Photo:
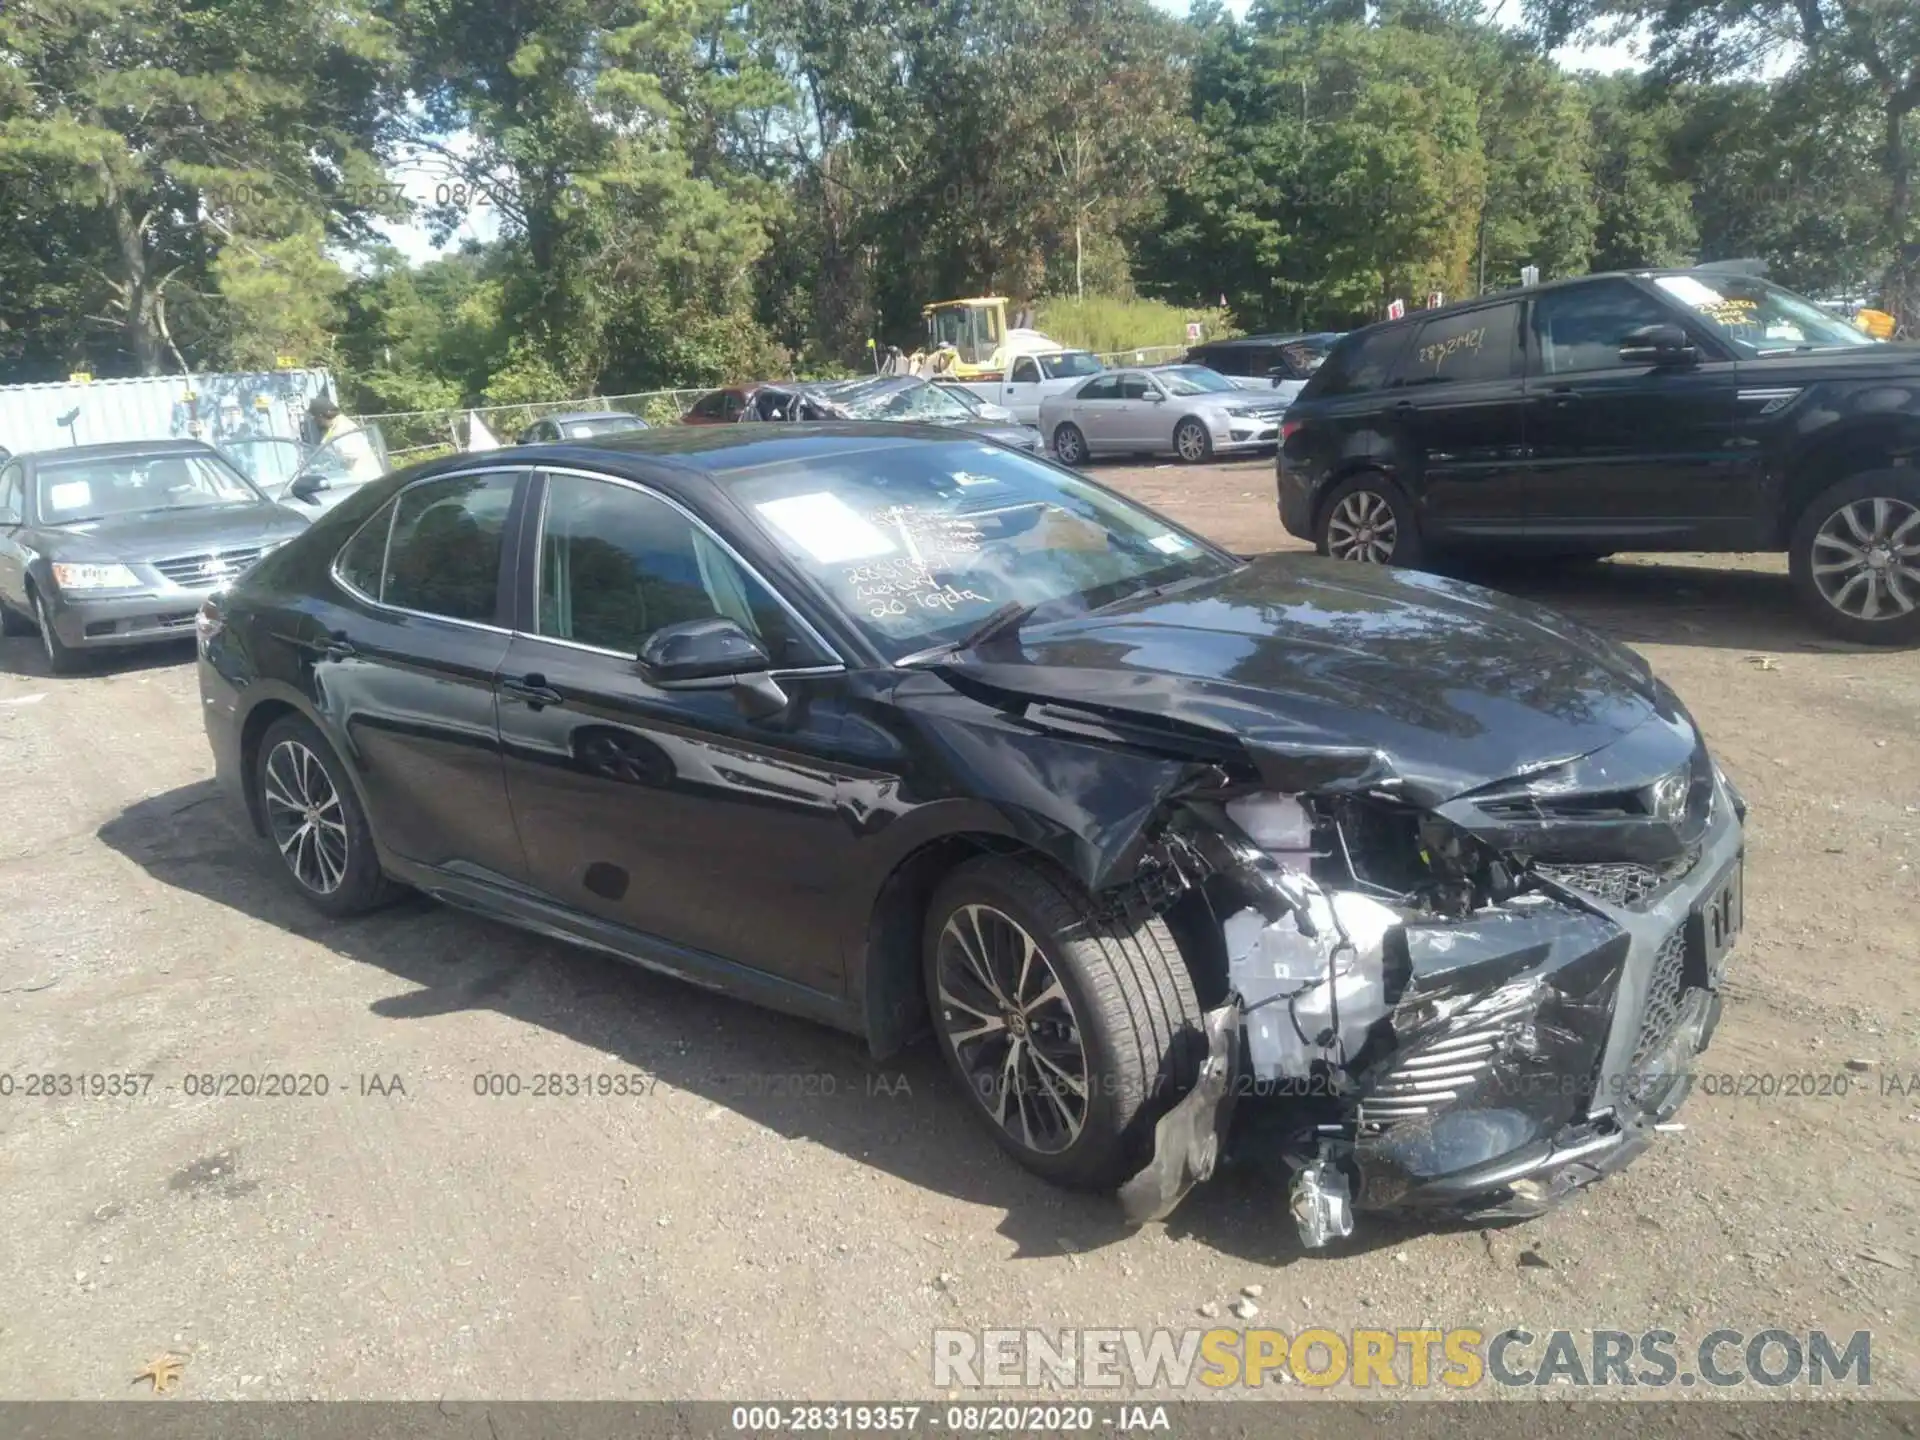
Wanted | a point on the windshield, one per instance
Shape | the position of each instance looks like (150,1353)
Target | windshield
(73,491)
(909,402)
(600,425)
(1193,380)
(1758,316)
(919,542)
(1070,365)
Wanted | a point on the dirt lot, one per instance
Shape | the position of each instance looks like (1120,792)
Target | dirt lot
(775,1218)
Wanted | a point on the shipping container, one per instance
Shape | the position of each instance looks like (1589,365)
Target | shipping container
(213,408)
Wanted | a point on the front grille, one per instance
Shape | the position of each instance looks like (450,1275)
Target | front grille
(1434,1075)
(1666,991)
(207,569)
(1627,883)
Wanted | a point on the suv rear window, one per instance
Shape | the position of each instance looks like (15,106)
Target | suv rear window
(1476,345)
(1360,362)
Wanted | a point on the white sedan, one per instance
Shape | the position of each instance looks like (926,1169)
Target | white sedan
(1184,410)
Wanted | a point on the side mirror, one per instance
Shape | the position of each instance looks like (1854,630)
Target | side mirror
(714,654)
(1157,397)
(306,485)
(1658,345)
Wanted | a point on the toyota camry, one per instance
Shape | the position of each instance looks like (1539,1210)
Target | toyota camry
(1423,891)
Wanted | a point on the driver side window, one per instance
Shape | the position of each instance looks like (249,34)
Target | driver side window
(1107,387)
(1025,372)
(617,564)
(1582,328)
(1135,387)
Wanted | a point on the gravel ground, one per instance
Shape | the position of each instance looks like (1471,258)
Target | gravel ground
(773,1215)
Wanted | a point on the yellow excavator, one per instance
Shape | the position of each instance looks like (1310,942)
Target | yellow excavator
(977,339)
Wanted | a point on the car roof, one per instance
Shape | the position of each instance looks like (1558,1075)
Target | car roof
(694,452)
(118,450)
(1719,269)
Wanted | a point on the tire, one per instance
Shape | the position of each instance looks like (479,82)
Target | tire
(1855,558)
(1122,996)
(1069,445)
(340,857)
(1354,519)
(1192,443)
(61,658)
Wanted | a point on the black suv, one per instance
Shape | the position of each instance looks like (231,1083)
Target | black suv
(1280,359)
(1700,409)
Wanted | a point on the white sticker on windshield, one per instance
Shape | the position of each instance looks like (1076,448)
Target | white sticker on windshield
(70,495)
(1170,544)
(826,527)
(962,477)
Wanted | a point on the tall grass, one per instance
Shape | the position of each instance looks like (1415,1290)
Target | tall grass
(1107,322)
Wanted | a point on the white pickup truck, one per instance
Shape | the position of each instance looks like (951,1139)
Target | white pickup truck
(1033,377)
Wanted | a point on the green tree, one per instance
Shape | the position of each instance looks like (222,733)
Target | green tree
(219,146)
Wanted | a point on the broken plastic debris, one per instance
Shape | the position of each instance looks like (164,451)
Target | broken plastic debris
(1322,1205)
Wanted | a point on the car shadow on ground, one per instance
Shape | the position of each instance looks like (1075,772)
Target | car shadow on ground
(23,657)
(1663,602)
(799,1080)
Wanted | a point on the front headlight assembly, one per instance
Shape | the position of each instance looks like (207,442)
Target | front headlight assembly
(95,577)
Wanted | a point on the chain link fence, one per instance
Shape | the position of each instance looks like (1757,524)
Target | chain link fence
(416,435)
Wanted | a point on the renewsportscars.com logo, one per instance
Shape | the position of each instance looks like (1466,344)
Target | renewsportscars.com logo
(1373,1360)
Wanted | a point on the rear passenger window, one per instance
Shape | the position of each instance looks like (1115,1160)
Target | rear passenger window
(365,555)
(1359,363)
(444,557)
(1479,345)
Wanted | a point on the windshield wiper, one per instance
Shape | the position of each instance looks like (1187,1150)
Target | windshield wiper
(1006,619)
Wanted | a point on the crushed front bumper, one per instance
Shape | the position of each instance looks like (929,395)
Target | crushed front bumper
(1530,1050)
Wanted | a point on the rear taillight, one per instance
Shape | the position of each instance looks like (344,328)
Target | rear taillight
(208,624)
(1287,429)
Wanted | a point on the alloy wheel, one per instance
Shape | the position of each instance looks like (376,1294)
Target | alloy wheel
(1866,559)
(1363,527)
(1191,441)
(306,817)
(1012,1028)
(1066,445)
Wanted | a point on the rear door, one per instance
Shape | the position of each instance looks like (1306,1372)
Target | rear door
(1457,406)
(1096,410)
(1623,449)
(13,514)
(669,811)
(405,658)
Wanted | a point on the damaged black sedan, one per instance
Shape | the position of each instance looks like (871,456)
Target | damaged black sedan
(1421,890)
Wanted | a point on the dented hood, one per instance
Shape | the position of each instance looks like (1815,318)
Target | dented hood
(1337,670)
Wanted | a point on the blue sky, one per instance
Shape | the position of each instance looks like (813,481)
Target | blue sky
(422,175)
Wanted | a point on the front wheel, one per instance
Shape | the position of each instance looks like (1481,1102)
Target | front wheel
(62,659)
(1071,1029)
(1369,519)
(1855,558)
(1191,442)
(1069,445)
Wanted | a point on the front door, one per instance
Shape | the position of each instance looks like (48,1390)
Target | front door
(1458,408)
(1143,421)
(669,811)
(1096,410)
(1624,450)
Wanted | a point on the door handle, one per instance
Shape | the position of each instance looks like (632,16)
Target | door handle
(532,690)
(334,645)
(1403,410)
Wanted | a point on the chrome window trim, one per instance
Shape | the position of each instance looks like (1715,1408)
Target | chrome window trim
(392,509)
(838,661)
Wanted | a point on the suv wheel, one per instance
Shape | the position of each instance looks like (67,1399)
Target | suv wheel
(1368,518)
(1072,1030)
(1855,557)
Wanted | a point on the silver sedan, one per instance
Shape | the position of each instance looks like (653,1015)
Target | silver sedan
(1184,410)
